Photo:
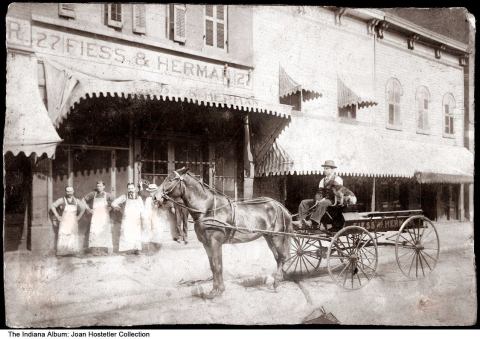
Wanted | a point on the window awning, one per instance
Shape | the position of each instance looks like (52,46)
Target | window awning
(360,151)
(28,128)
(348,96)
(67,86)
(288,86)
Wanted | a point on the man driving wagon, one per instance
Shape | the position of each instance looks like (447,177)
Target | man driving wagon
(330,190)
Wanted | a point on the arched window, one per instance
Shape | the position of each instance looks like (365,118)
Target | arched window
(394,92)
(448,108)
(422,98)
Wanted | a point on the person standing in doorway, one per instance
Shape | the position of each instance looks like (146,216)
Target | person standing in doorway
(100,235)
(72,212)
(131,227)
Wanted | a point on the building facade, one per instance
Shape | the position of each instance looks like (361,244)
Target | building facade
(125,93)
(391,112)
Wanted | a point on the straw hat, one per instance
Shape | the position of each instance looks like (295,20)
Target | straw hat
(329,163)
(152,188)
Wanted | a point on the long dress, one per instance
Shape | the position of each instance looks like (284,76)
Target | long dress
(101,225)
(68,230)
(153,227)
(131,227)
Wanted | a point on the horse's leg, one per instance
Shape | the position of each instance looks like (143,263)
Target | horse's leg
(276,244)
(214,249)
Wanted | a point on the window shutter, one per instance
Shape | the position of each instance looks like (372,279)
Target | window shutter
(179,21)
(139,21)
(220,35)
(114,18)
(209,32)
(66,10)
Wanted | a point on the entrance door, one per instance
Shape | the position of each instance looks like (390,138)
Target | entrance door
(17,194)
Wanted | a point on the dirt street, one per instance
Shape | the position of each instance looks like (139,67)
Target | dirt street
(165,288)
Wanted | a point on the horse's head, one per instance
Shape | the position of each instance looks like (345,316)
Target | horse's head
(173,186)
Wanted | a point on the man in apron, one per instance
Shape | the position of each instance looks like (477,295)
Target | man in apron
(72,211)
(153,225)
(100,235)
(131,227)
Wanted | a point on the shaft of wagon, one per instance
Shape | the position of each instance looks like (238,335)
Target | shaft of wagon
(297,235)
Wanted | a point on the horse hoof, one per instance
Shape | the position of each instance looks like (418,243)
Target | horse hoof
(214,293)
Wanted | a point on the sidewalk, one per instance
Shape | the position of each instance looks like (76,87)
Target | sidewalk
(50,291)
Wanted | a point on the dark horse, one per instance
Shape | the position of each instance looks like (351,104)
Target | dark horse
(209,209)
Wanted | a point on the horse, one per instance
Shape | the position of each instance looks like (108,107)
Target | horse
(212,211)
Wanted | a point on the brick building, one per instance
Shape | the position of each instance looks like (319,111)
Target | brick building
(124,92)
(391,112)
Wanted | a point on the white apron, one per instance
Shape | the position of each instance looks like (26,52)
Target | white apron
(100,226)
(153,228)
(131,228)
(68,231)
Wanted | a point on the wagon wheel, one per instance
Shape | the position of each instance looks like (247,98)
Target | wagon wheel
(352,257)
(305,256)
(417,247)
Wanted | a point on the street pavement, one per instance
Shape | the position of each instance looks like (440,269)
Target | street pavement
(167,287)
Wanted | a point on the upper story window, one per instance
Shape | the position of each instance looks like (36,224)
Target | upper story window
(114,15)
(448,108)
(66,10)
(422,98)
(216,26)
(139,21)
(394,93)
(177,21)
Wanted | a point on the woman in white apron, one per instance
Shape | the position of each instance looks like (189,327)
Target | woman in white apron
(100,235)
(68,240)
(131,227)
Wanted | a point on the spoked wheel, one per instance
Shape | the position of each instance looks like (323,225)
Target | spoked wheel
(352,257)
(417,247)
(305,256)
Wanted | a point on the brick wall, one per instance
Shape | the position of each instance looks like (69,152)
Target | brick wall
(313,49)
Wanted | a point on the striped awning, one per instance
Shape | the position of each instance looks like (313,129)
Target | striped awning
(361,151)
(288,86)
(347,96)
(28,128)
(67,87)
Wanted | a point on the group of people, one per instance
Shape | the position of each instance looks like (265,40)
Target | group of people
(143,227)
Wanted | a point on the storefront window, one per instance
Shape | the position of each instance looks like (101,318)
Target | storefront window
(154,160)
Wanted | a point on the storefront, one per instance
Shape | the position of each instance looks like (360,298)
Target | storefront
(384,173)
(123,113)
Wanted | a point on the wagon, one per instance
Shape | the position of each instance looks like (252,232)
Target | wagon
(350,246)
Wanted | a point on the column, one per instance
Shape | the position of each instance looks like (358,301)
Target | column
(461,203)
(470,202)
(439,202)
(373,196)
(248,163)
(42,233)
(70,166)
(113,173)
(451,205)
(131,146)
(137,165)
(211,162)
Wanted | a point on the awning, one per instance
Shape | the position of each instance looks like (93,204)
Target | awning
(67,86)
(361,151)
(288,86)
(28,128)
(347,96)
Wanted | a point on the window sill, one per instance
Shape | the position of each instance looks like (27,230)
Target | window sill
(449,136)
(423,131)
(394,127)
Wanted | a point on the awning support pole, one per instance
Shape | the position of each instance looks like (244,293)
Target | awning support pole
(248,164)
(373,196)
(70,166)
(470,202)
(113,173)
(461,203)
(130,149)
